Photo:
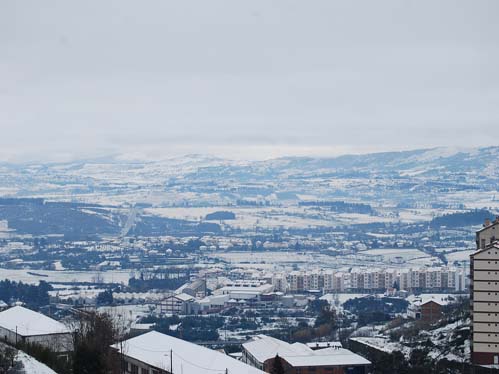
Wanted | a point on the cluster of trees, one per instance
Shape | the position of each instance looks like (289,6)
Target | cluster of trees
(243,323)
(39,217)
(341,206)
(324,326)
(33,296)
(190,328)
(157,226)
(373,309)
(461,219)
(140,285)
(105,298)
(220,216)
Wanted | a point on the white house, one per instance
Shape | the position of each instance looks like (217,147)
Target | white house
(19,324)
(245,290)
(179,304)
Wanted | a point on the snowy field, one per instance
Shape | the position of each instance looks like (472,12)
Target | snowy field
(290,216)
(32,366)
(119,276)
(125,315)
(408,256)
(248,218)
(270,260)
(459,256)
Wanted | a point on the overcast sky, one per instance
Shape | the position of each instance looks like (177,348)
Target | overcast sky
(245,78)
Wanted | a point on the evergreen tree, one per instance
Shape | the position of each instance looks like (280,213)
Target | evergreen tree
(93,337)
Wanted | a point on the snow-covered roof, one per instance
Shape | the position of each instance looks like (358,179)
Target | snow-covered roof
(442,299)
(492,224)
(154,348)
(324,344)
(181,296)
(29,323)
(252,288)
(488,247)
(264,347)
(327,357)
(215,300)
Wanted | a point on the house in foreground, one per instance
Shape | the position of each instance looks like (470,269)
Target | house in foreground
(19,324)
(156,353)
(298,358)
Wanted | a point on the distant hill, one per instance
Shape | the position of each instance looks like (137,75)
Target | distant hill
(406,179)
(73,220)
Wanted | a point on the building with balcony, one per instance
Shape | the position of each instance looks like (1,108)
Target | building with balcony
(484,288)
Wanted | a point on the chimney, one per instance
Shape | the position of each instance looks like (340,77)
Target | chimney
(487,222)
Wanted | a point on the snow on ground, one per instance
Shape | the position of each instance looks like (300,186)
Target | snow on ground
(339,299)
(18,275)
(383,344)
(268,260)
(248,218)
(441,298)
(416,215)
(58,266)
(128,314)
(377,235)
(443,339)
(288,216)
(412,256)
(32,366)
(459,256)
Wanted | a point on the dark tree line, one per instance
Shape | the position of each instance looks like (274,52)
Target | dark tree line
(33,296)
(91,353)
(190,328)
(461,219)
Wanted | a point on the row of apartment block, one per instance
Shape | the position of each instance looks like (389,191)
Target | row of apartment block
(436,278)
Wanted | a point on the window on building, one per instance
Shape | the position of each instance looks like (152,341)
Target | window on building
(144,371)
(134,369)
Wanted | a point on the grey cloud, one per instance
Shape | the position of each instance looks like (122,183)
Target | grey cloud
(81,78)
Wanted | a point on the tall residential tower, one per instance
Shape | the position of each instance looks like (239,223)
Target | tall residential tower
(484,296)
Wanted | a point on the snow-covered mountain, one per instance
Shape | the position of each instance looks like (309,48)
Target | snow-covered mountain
(425,170)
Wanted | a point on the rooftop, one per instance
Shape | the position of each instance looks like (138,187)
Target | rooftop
(182,297)
(154,350)
(264,347)
(28,322)
(488,247)
(442,299)
(321,345)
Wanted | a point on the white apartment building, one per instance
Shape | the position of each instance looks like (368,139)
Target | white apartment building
(484,297)
(488,234)
(362,279)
